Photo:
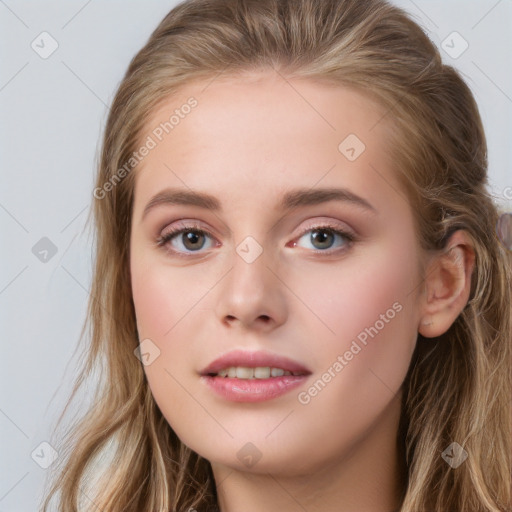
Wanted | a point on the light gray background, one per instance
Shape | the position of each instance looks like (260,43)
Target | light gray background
(53,111)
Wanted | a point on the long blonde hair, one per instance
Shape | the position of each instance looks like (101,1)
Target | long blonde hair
(458,388)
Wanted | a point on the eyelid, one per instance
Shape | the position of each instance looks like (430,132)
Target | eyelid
(328,224)
(184,225)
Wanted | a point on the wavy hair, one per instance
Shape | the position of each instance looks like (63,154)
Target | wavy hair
(121,455)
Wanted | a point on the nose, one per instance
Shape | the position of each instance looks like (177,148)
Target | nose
(252,295)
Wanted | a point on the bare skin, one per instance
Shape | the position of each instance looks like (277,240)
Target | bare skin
(247,143)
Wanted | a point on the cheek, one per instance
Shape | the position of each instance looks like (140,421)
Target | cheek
(152,300)
(371,287)
(368,305)
(162,296)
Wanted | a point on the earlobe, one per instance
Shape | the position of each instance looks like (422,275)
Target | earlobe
(447,285)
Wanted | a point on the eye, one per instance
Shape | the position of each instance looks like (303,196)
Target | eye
(324,237)
(185,239)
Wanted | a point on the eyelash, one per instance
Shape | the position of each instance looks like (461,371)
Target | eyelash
(163,240)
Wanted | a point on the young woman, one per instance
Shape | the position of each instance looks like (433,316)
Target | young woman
(300,300)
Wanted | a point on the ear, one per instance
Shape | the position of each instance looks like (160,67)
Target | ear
(447,285)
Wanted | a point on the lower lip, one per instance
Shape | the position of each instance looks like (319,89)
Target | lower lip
(253,390)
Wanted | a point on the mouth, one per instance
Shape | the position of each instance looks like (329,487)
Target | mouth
(258,372)
(241,364)
(241,376)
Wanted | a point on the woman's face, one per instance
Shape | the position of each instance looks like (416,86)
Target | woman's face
(308,253)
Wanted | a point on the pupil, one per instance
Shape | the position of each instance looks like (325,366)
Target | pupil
(321,239)
(193,237)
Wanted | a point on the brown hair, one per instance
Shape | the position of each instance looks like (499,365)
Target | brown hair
(458,388)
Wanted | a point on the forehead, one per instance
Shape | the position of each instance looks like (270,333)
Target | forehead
(248,138)
(260,106)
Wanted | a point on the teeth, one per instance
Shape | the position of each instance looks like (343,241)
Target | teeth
(260,372)
(244,373)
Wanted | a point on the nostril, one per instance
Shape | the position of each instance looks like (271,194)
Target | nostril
(264,318)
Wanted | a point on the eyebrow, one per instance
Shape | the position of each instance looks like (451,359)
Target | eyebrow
(292,199)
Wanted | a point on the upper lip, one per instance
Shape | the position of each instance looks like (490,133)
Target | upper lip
(253,360)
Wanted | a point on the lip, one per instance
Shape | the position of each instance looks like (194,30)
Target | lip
(253,390)
(252,360)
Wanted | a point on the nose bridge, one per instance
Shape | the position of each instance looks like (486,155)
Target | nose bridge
(250,290)
(248,279)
